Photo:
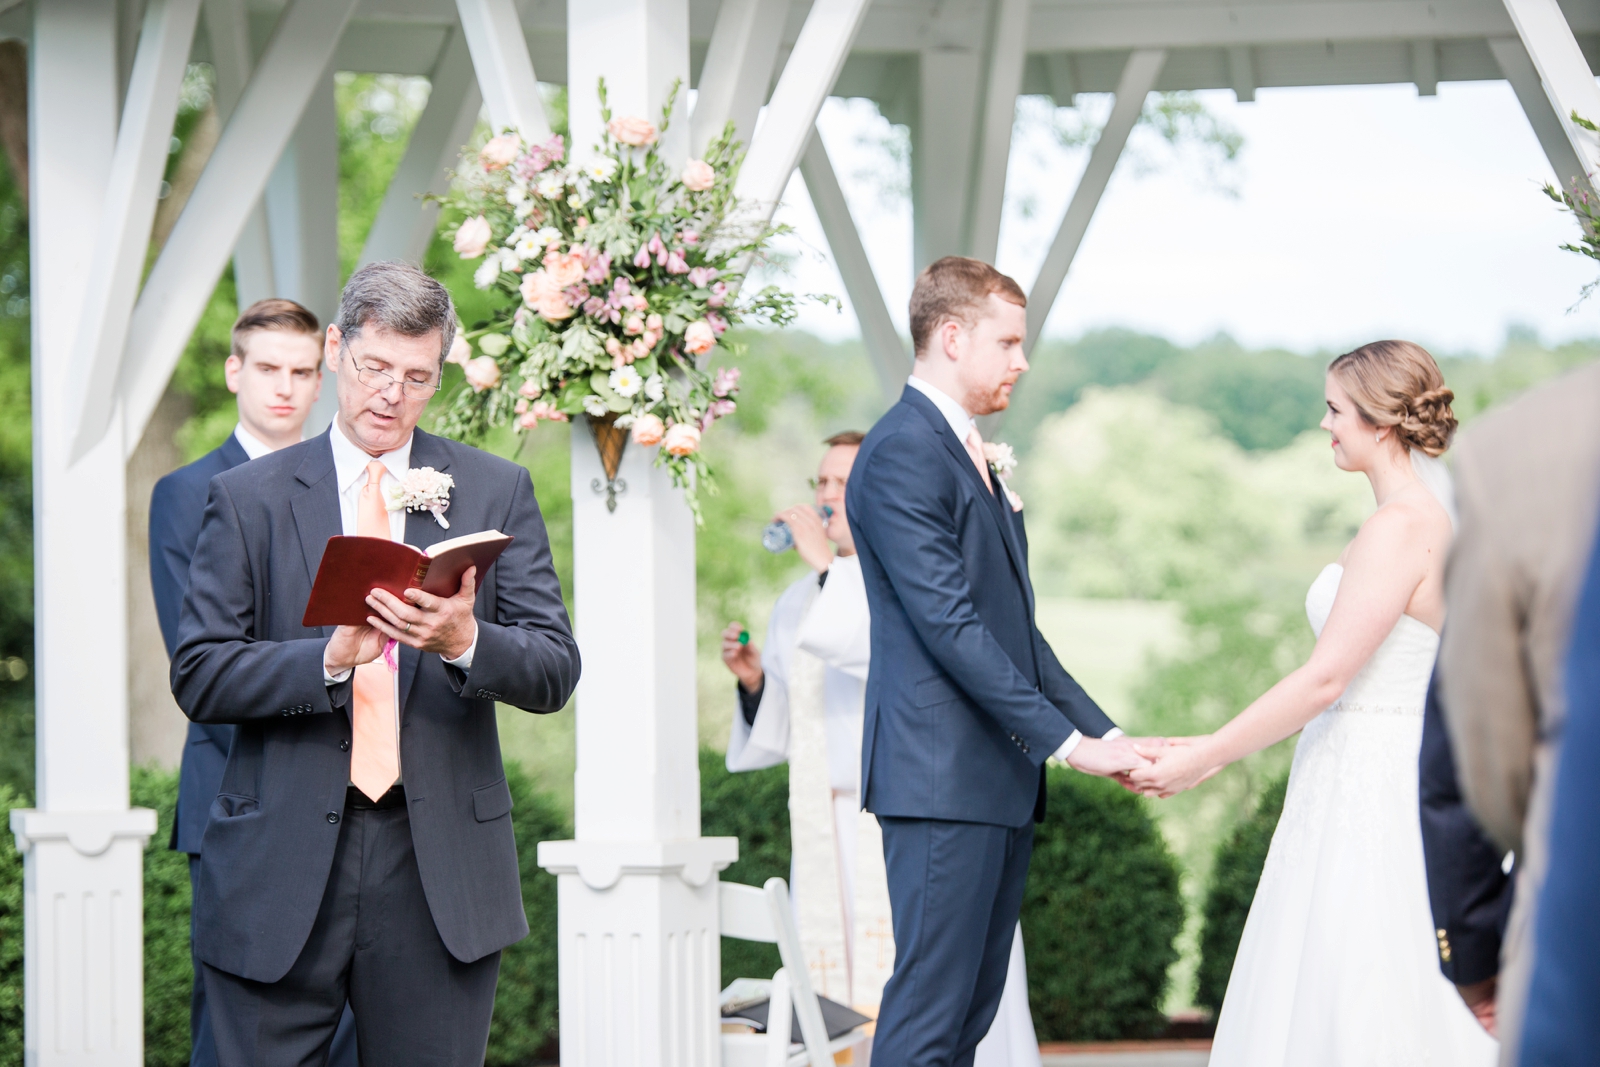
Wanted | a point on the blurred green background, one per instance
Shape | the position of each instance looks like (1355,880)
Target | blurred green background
(1179,500)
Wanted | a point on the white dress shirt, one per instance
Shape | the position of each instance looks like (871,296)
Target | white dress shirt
(961,422)
(253,446)
(350,474)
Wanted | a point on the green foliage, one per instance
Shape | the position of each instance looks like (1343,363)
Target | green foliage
(1234,876)
(377,113)
(11,990)
(754,807)
(1101,914)
(16,496)
(168,969)
(525,1000)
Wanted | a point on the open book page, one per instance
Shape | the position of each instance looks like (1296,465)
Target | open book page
(446,545)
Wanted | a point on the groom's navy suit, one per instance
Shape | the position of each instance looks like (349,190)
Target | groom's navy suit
(965,700)
(280,825)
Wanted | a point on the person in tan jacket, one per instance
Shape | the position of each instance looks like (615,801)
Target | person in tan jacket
(1527,481)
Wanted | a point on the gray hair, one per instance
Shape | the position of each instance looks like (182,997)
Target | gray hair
(400,298)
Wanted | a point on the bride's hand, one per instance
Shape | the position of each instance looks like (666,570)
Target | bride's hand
(1179,765)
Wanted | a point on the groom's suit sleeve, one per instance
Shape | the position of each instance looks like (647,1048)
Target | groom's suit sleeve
(1063,690)
(525,655)
(221,671)
(910,525)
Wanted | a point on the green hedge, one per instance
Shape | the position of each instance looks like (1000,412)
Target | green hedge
(1234,875)
(1101,914)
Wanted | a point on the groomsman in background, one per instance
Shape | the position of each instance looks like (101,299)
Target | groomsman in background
(1527,479)
(275,371)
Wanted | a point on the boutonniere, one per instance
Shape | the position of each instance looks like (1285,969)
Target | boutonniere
(1003,458)
(423,489)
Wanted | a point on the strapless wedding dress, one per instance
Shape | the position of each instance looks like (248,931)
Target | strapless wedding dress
(1337,966)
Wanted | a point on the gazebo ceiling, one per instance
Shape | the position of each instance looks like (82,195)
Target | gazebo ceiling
(1073,45)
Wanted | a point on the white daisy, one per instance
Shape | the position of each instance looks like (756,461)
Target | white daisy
(626,381)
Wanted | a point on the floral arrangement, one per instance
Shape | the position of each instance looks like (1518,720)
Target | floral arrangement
(616,282)
(1583,204)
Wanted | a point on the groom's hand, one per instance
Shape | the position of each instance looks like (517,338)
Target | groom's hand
(1096,755)
(428,623)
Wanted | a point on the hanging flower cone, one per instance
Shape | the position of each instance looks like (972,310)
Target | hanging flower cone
(609,441)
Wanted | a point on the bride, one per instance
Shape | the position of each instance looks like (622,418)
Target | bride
(1337,963)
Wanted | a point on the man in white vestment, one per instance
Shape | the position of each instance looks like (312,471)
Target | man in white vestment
(801,700)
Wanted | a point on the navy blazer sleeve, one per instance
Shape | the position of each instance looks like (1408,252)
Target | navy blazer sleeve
(221,672)
(1063,690)
(526,654)
(171,546)
(913,501)
(1469,892)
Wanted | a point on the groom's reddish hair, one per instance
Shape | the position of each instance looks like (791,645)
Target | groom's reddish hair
(956,287)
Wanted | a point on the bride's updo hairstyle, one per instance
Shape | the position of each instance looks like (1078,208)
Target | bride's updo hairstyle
(1398,384)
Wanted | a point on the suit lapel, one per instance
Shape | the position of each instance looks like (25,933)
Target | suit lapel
(232,453)
(423,531)
(963,460)
(316,507)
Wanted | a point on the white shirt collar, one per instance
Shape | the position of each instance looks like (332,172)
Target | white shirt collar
(253,446)
(350,461)
(958,417)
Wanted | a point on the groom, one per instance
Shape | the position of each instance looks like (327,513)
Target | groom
(361,847)
(965,700)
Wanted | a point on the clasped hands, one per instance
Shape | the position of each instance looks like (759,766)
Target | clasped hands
(1154,766)
(421,620)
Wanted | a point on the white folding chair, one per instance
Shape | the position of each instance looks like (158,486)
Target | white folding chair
(752,914)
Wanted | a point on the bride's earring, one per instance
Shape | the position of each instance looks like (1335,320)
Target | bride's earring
(1377,438)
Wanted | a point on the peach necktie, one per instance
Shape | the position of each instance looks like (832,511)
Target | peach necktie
(375,742)
(975,450)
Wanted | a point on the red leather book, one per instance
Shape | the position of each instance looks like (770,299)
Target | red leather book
(352,567)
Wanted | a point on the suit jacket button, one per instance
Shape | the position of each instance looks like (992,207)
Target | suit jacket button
(344,745)
(333,817)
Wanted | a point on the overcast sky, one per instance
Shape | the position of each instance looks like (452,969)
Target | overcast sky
(1359,213)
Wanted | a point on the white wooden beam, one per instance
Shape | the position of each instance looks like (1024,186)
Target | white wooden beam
(1568,82)
(181,281)
(1546,123)
(405,223)
(737,71)
(129,207)
(505,72)
(887,351)
(1242,73)
(228,32)
(1138,79)
(943,144)
(1006,60)
(83,849)
(813,66)
(1425,66)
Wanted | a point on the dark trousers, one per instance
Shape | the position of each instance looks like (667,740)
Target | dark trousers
(955,889)
(203,1047)
(374,944)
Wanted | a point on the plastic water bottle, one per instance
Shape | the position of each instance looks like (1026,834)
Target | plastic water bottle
(777,537)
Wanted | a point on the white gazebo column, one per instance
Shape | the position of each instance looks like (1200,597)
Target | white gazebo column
(637,896)
(82,846)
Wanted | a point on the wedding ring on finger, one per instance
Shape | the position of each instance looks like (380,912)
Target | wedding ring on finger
(408,627)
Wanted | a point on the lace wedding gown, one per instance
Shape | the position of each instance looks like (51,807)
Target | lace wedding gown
(1337,966)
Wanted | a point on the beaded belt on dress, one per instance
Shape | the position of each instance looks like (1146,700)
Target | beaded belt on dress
(1363,708)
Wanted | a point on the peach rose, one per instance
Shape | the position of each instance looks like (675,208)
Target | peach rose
(473,237)
(699,338)
(564,270)
(529,389)
(682,439)
(482,373)
(648,430)
(698,176)
(460,351)
(632,131)
(545,297)
(500,151)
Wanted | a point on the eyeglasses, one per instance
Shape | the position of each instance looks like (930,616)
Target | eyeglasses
(827,483)
(380,381)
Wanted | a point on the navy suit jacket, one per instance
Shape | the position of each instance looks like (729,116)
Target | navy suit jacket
(1470,893)
(176,507)
(1562,1026)
(965,699)
(244,658)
